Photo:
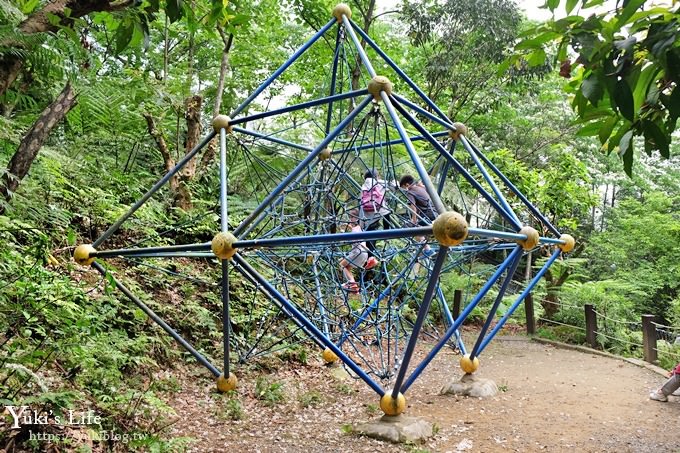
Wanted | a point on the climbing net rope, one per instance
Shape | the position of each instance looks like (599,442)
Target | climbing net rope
(340,249)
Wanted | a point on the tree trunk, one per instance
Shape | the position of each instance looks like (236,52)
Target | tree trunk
(169,162)
(49,19)
(28,149)
(192,114)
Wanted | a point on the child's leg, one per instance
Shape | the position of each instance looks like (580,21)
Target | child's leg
(671,385)
(346,272)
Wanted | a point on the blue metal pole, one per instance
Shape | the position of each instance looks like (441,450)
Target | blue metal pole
(157,319)
(161,182)
(337,238)
(422,172)
(457,166)
(223,179)
(363,316)
(459,321)
(148,250)
(424,112)
(401,73)
(301,166)
(319,298)
(422,314)
(396,141)
(301,106)
(445,307)
(496,303)
(490,181)
(516,191)
(447,165)
(225,315)
(334,75)
(272,139)
(283,67)
(311,328)
(519,300)
(357,44)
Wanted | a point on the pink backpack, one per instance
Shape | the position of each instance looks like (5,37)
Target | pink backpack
(371,200)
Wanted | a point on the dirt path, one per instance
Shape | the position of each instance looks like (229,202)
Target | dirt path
(553,400)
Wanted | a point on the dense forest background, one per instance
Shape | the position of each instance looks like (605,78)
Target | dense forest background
(99,98)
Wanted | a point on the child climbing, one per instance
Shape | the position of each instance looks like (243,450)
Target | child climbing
(374,209)
(422,211)
(669,387)
(356,258)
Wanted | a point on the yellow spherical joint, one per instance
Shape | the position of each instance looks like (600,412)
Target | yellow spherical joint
(228,384)
(222,122)
(223,245)
(392,406)
(460,129)
(532,238)
(450,228)
(378,84)
(81,255)
(340,9)
(469,366)
(329,356)
(569,243)
(325,154)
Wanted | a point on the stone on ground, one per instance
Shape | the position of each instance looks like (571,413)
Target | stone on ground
(397,429)
(470,385)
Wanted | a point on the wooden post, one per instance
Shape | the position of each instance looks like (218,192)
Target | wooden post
(591,325)
(649,338)
(457,297)
(529,311)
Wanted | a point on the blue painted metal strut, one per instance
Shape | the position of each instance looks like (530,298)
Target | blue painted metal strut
(399,72)
(272,139)
(225,315)
(457,165)
(336,238)
(519,299)
(491,182)
(424,112)
(422,314)
(311,328)
(223,180)
(496,303)
(334,75)
(516,191)
(301,166)
(158,320)
(357,44)
(396,141)
(283,67)
(420,168)
(459,321)
(301,106)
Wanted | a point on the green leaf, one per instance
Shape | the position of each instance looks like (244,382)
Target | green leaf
(607,128)
(592,89)
(173,8)
(536,58)
(71,237)
(124,35)
(627,12)
(624,100)
(673,104)
(626,152)
(570,5)
(551,4)
(590,129)
(673,63)
(647,76)
(656,137)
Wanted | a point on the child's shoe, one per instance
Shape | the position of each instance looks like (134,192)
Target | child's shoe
(352,287)
(371,262)
(657,395)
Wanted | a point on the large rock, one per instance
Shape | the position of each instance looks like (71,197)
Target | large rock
(471,385)
(397,429)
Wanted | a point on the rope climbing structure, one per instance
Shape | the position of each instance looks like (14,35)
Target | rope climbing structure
(317,259)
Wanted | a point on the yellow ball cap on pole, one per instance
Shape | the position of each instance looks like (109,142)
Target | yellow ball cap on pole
(223,245)
(450,228)
(467,365)
(228,384)
(569,243)
(392,406)
(532,238)
(340,9)
(81,254)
